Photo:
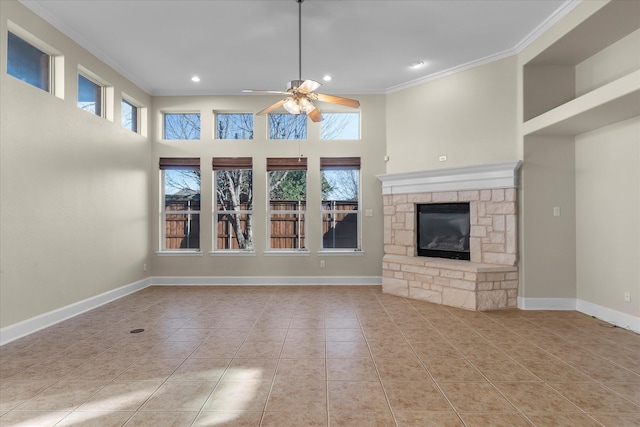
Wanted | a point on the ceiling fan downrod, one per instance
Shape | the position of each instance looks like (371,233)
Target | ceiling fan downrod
(300,39)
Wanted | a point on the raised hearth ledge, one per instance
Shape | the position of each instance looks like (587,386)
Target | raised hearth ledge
(461,284)
(478,177)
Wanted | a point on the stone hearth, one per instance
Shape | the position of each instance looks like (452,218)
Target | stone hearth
(489,280)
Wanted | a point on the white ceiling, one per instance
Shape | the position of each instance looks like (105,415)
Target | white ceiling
(365,45)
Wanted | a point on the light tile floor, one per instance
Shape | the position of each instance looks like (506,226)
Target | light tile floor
(317,356)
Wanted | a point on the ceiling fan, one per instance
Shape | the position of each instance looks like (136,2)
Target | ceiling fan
(301,92)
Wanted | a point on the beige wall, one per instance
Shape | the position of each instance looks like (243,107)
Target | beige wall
(79,197)
(592,177)
(547,242)
(370,148)
(470,117)
(608,191)
(608,216)
(74,219)
(611,63)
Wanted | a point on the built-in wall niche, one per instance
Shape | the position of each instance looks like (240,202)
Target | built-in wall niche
(443,230)
(551,103)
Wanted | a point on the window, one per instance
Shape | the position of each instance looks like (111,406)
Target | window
(287,126)
(180,178)
(233,213)
(340,202)
(90,95)
(234,126)
(287,180)
(28,63)
(129,116)
(182,126)
(340,126)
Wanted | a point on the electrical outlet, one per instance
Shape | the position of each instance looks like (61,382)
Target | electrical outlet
(556,211)
(322,263)
(144,267)
(442,158)
(627,297)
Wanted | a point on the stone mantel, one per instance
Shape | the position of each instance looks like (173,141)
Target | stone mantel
(490,280)
(478,177)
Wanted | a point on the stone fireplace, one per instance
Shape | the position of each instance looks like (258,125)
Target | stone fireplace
(489,280)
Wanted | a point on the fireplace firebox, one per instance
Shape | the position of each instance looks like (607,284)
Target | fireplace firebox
(443,230)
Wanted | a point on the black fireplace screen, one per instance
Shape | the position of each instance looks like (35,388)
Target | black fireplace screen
(443,230)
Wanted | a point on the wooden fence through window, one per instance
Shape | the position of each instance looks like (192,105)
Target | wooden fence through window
(287,229)
(182,230)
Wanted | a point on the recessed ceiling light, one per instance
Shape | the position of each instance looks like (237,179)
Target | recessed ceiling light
(417,64)
(327,78)
(195,79)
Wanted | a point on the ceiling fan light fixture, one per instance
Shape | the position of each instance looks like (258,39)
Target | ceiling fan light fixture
(292,106)
(306,106)
(298,105)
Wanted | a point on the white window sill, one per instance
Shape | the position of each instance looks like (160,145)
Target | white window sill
(340,252)
(232,253)
(303,252)
(179,253)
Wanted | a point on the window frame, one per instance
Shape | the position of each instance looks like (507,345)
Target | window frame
(177,163)
(56,59)
(49,64)
(135,117)
(106,93)
(226,164)
(99,108)
(341,163)
(288,164)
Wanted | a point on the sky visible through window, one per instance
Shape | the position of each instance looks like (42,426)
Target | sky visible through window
(340,126)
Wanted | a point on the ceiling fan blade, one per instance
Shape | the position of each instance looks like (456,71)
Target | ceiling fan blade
(309,86)
(279,92)
(337,100)
(272,107)
(315,115)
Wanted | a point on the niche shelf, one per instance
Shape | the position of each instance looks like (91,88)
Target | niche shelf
(611,103)
(551,106)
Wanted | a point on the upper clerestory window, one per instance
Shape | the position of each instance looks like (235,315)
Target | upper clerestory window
(33,61)
(234,126)
(90,95)
(130,116)
(287,126)
(28,63)
(340,126)
(95,94)
(182,126)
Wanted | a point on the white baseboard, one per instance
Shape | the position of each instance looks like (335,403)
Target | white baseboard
(266,280)
(617,318)
(546,303)
(34,324)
